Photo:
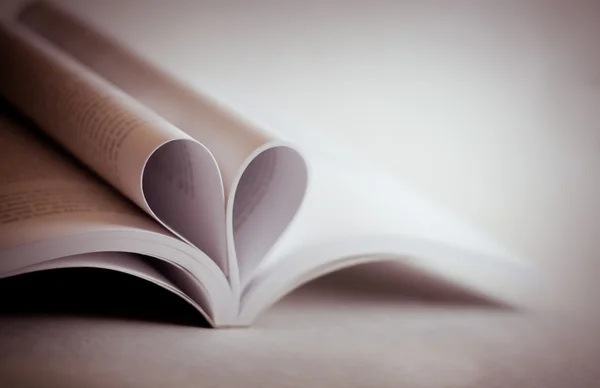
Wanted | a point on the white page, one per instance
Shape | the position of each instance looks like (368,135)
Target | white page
(160,168)
(347,200)
(492,278)
(354,214)
(267,197)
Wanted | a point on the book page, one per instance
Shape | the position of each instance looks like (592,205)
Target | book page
(52,207)
(267,197)
(44,193)
(264,179)
(354,213)
(161,169)
(348,198)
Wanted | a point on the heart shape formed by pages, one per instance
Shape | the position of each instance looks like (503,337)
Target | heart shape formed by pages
(183,188)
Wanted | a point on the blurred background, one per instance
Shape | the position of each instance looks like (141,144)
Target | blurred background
(488,108)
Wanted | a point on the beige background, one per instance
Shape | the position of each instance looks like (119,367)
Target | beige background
(490,108)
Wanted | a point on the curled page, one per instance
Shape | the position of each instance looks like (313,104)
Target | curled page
(264,180)
(266,198)
(182,188)
(171,176)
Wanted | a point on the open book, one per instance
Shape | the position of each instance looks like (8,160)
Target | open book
(108,162)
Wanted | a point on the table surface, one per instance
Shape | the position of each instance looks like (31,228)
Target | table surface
(490,110)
